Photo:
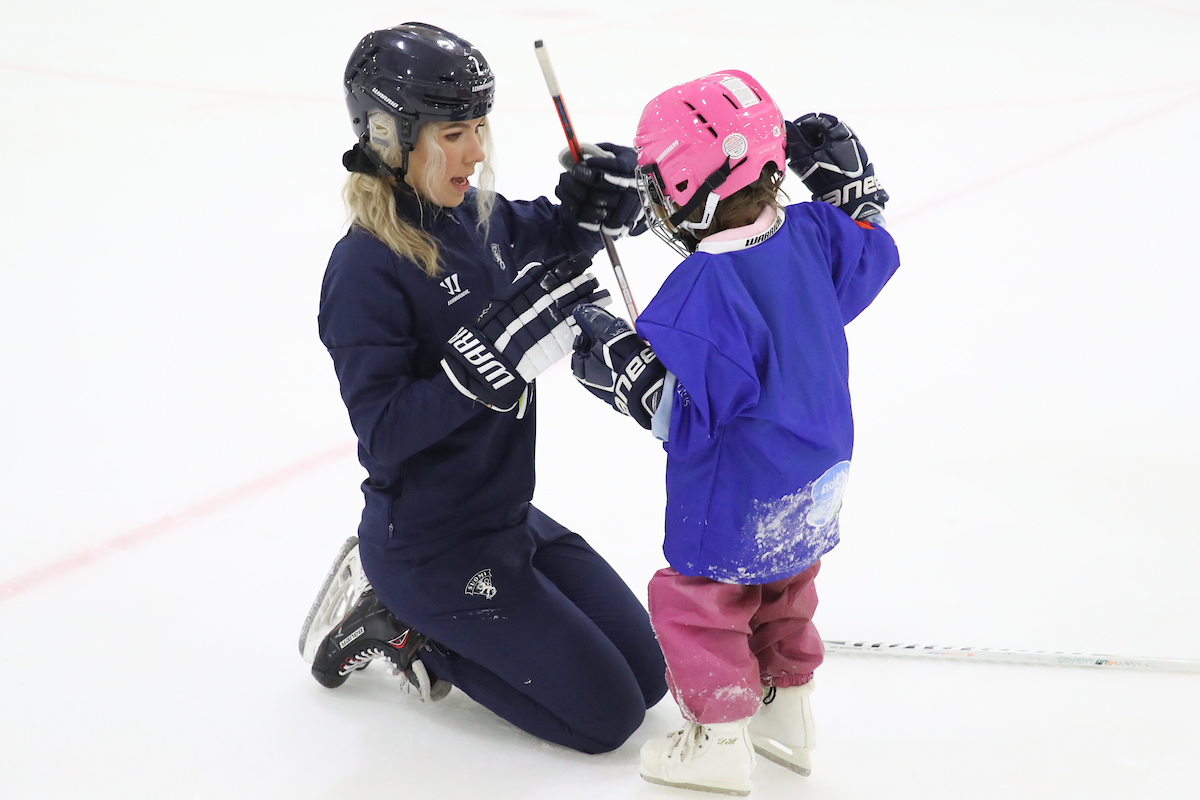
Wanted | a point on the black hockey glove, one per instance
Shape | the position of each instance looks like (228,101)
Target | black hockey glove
(833,164)
(613,363)
(526,328)
(601,192)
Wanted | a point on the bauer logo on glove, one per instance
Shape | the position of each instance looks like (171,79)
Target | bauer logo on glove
(623,390)
(834,165)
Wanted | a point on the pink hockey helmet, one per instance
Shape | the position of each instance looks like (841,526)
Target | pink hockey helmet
(701,141)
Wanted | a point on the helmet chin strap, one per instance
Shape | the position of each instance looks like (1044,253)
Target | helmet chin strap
(705,194)
(710,208)
(364,159)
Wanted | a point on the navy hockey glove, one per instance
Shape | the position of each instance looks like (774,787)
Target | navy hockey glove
(524,330)
(601,191)
(833,164)
(613,363)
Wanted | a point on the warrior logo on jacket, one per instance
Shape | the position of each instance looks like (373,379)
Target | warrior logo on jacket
(452,286)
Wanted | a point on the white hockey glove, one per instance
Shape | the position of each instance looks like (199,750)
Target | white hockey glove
(524,330)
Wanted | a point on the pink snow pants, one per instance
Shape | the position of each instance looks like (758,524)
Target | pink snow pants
(724,642)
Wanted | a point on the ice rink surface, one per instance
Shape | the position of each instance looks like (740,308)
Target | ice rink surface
(178,468)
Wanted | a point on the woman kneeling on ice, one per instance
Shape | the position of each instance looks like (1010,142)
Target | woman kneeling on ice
(439,307)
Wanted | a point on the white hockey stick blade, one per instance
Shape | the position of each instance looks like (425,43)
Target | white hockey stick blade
(341,590)
(996,655)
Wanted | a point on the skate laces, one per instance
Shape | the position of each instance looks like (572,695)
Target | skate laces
(769,696)
(687,741)
(360,660)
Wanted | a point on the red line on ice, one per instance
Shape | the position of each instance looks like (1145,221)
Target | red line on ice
(143,533)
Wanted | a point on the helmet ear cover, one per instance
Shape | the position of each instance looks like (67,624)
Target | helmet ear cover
(365,159)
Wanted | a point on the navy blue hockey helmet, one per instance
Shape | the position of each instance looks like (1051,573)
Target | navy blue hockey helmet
(416,73)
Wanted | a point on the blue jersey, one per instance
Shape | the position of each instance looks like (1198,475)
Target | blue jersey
(761,431)
(438,463)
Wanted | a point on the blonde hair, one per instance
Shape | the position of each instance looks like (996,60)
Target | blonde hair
(371,201)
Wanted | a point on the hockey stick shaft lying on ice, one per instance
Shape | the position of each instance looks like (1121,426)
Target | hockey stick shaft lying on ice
(573,142)
(1014,656)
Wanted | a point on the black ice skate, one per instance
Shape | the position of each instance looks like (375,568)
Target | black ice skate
(370,631)
(340,592)
(348,626)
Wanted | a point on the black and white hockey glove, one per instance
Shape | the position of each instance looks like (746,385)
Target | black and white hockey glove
(601,191)
(613,363)
(833,164)
(524,330)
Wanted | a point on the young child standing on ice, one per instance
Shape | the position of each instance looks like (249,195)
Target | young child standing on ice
(741,368)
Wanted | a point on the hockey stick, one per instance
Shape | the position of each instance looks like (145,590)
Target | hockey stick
(1015,656)
(577,153)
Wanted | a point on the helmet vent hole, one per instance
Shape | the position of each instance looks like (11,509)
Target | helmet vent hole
(701,118)
(681,186)
(731,101)
(713,131)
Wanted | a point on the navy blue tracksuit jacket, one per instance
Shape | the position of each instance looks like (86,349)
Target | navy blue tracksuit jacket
(531,622)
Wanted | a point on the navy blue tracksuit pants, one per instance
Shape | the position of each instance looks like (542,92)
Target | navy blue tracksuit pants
(535,626)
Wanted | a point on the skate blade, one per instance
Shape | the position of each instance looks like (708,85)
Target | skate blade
(700,787)
(342,588)
(797,761)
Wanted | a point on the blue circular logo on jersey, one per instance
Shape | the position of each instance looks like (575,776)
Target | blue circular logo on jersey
(827,492)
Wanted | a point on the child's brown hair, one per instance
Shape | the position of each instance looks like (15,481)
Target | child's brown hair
(742,207)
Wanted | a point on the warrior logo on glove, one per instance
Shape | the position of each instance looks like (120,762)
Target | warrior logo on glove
(485,361)
(522,332)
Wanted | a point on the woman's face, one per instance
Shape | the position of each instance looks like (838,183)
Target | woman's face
(461,142)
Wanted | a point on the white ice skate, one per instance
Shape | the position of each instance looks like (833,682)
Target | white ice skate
(708,758)
(783,731)
(342,588)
